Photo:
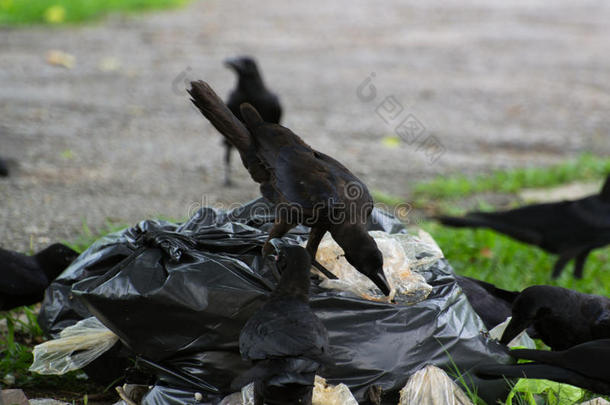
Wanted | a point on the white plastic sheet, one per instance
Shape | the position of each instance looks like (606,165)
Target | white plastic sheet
(432,386)
(77,346)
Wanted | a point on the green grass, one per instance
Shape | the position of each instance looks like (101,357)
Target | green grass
(385,198)
(81,242)
(585,167)
(72,11)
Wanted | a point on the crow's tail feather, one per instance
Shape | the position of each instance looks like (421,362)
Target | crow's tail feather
(219,115)
(461,222)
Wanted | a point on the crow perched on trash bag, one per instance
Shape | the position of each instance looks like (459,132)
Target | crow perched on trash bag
(250,89)
(3,168)
(571,229)
(562,318)
(585,365)
(306,186)
(285,340)
(492,304)
(23,279)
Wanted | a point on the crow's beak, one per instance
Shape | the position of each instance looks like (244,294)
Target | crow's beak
(380,281)
(233,63)
(514,328)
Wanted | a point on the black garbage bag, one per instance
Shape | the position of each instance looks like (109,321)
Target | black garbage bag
(177,296)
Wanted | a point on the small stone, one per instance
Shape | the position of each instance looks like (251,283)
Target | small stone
(13,397)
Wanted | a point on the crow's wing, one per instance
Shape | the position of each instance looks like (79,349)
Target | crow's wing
(304,180)
(286,328)
(591,213)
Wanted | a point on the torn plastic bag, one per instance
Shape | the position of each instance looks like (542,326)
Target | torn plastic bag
(77,346)
(178,295)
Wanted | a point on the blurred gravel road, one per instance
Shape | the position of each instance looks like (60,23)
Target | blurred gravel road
(495,84)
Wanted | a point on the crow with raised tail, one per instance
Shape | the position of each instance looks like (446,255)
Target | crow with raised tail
(250,89)
(562,318)
(23,279)
(284,339)
(570,229)
(586,365)
(306,186)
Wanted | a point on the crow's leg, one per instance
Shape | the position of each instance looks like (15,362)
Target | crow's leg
(279,229)
(228,148)
(315,237)
(579,263)
(561,262)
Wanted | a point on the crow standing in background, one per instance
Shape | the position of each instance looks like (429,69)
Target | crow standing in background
(250,89)
(285,340)
(562,318)
(586,365)
(23,279)
(571,229)
(306,186)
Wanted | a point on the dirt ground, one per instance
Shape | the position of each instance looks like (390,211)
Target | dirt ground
(115,137)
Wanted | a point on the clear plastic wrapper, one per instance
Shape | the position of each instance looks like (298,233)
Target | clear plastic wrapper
(432,386)
(399,261)
(327,394)
(77,346)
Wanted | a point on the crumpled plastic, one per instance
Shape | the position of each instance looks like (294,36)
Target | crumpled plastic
(406,286)
(328,394)
(77,346)
(432,386)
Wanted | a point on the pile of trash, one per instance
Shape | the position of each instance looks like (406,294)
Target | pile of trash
(174,297)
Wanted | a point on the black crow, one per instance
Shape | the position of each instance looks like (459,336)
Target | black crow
(3,168)
(586,365)
(571,229)
(492,304)
(23,279)
(562,318)
(306,186)
(250,89)
(285,341)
